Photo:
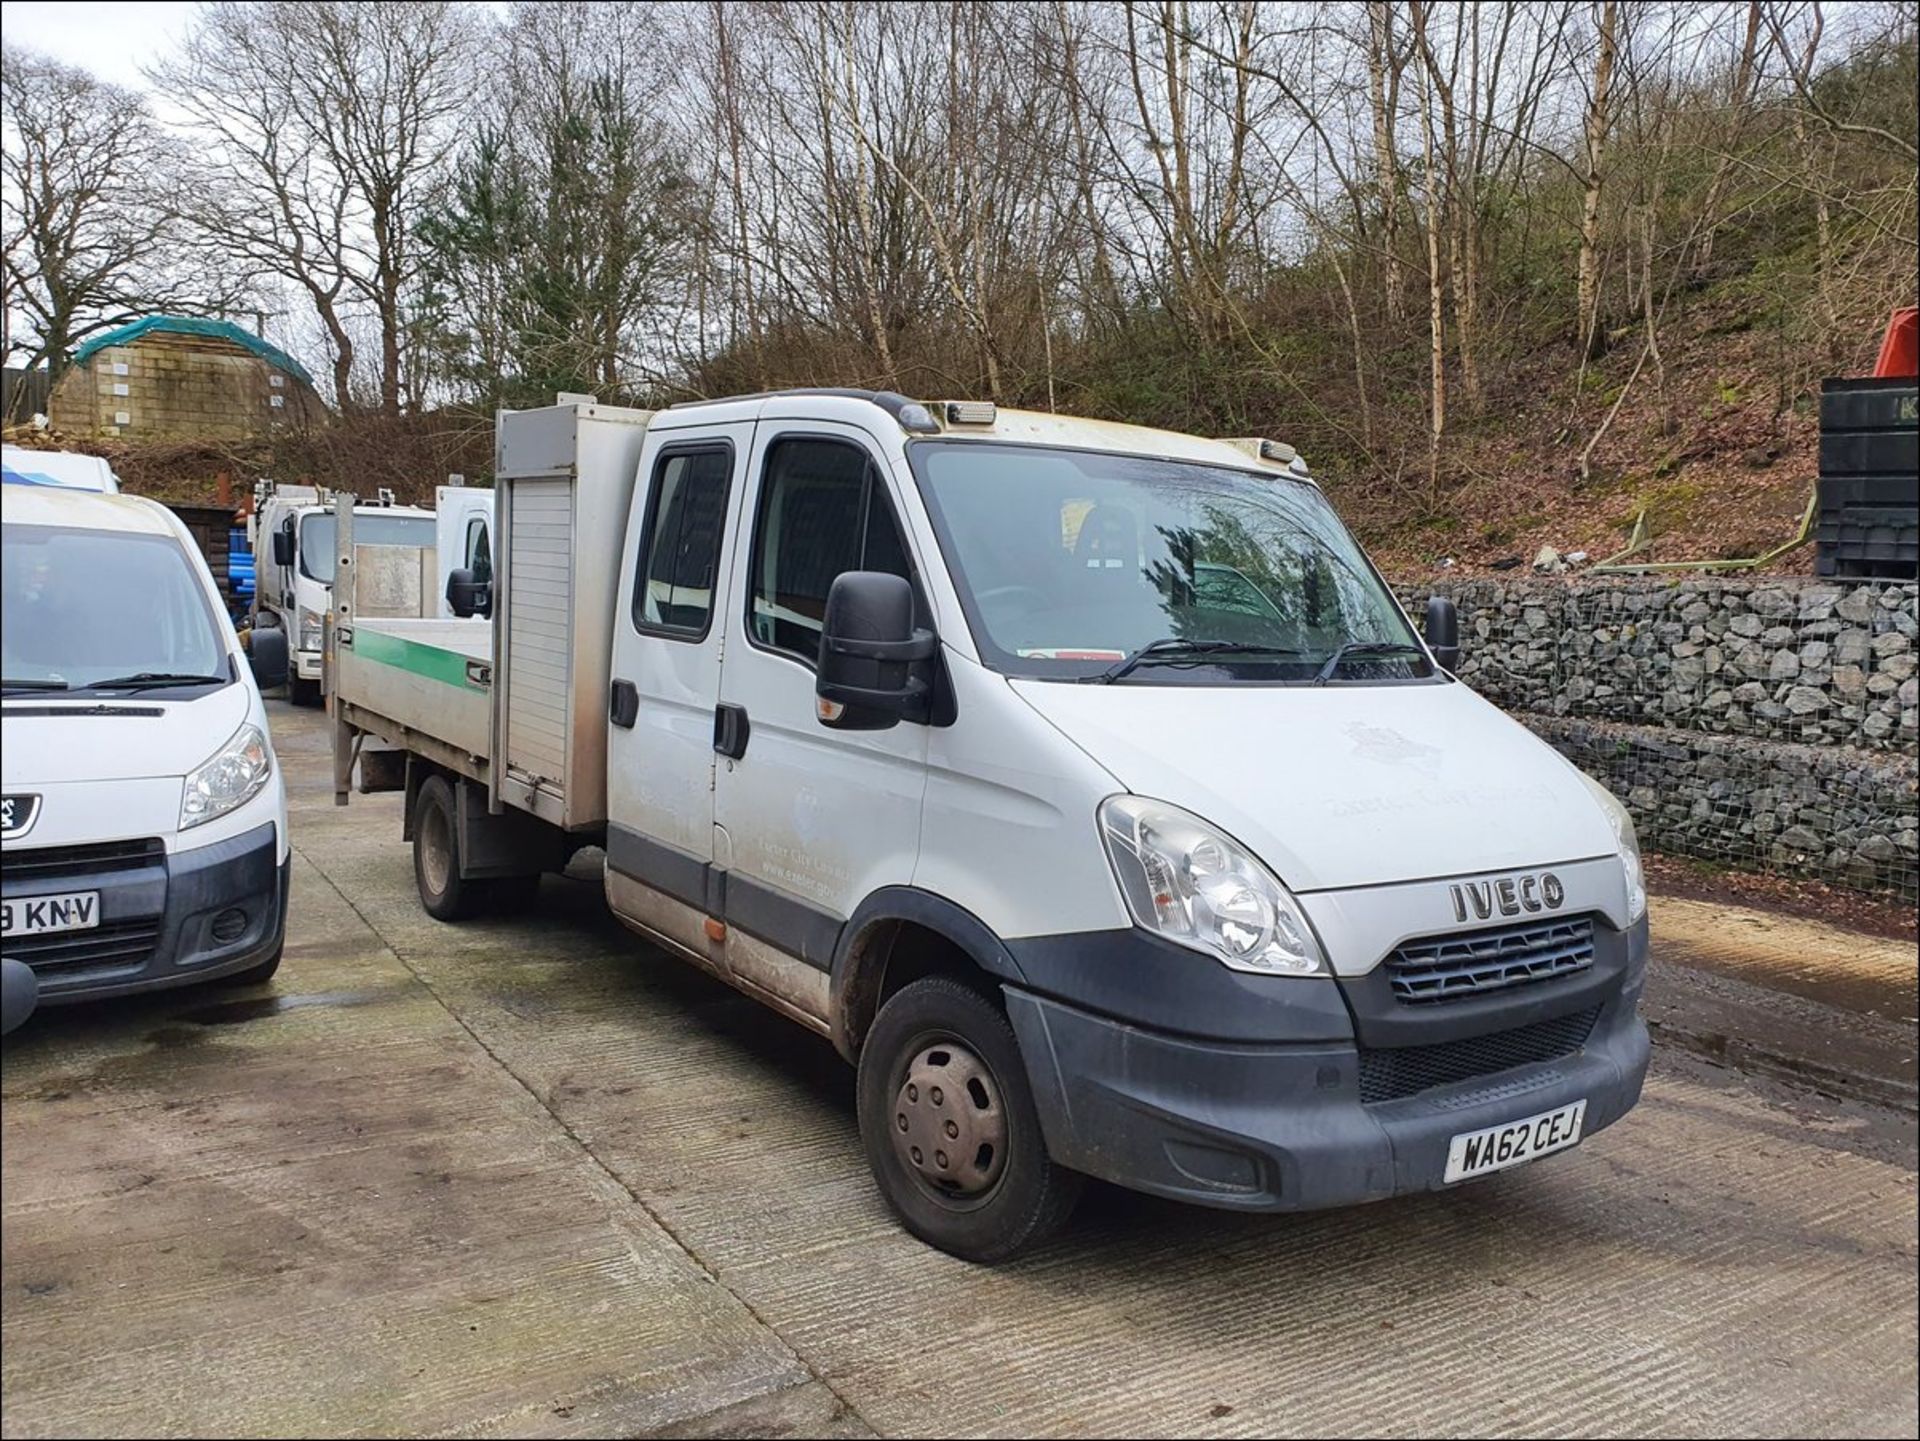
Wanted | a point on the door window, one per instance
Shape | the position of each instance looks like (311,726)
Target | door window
(680,547)
(823,510)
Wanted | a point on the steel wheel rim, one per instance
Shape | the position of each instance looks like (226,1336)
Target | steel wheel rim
(947,1120)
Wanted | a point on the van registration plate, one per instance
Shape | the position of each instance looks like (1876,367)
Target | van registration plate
(43,915)
(1478,1153)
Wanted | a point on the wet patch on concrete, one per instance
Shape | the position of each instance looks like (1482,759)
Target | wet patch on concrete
(258,1008)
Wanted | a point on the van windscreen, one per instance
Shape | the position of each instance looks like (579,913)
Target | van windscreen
(84,606)
(316,537)
(1070,562)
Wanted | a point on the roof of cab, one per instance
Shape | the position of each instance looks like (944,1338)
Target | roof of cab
(85,509)
(1018,427)
(1039,427)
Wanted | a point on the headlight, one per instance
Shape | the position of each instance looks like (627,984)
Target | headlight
(231,777)
(1628,842)
(1191,884)
(312,631)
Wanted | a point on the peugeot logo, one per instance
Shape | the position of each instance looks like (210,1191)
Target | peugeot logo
(17,814)
(1509,896)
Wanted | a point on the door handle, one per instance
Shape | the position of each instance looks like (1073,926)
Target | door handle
(730,731)
(623,707)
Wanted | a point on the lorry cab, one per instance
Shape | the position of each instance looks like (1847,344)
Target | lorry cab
(463,538)
(143,829)
(1089,787)
(1084,784)
(294,564)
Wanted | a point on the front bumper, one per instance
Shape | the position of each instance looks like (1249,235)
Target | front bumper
(164,917)
(308,664)
(1282,1126)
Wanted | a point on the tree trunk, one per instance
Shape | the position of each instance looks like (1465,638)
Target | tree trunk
(1384,98)
(1591,336)
(1436,282)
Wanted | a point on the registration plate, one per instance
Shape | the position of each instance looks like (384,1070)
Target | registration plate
(1477,1153)
(43,915)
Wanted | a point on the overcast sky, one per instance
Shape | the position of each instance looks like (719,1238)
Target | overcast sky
(112,40)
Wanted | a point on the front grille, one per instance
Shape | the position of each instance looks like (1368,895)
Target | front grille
(50,862)
(113,946)
(1388,1075)
(1442,968)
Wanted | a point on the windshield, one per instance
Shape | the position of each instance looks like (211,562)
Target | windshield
(85,606)
(1070,561)
(369,528)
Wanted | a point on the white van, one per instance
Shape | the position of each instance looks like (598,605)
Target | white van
(293,547)
(62,468)
(143,826)
(1083,783)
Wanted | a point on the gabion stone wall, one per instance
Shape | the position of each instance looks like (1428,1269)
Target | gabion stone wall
(1841,815)
(1806,662)
(1767,724)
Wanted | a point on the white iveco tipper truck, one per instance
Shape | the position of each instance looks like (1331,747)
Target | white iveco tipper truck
(1085,784)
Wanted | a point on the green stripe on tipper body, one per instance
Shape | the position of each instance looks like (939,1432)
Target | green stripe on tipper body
(435,663)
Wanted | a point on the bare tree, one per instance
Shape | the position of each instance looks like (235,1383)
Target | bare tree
(322,129)
(85,210)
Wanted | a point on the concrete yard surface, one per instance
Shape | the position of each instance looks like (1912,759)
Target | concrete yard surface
(526,1176)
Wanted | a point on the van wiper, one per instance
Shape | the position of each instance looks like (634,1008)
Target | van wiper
(145,678)
(1172,650)
(1363,647)
(26,685)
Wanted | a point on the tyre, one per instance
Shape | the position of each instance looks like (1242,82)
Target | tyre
(950,1128)
(256,975)
(303,692)
(436,855)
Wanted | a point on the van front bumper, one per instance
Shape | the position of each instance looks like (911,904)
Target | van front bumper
(1282,1125)
(166,918)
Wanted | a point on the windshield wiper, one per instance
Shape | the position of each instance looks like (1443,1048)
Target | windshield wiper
(26,685)
(145,678)
(1172,650)
(1363,647)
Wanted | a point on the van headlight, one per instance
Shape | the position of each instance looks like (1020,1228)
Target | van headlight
(1185,880)
(231,777)
(312,630)
(1627,840)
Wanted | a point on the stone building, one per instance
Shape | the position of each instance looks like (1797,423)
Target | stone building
(170,377)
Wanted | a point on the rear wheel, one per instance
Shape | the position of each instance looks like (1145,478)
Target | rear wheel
(950,1128)
(436,855)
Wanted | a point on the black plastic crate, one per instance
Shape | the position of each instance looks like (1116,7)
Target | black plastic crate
(1889,491)
(1891,453)
(1868,403)
(1861,542)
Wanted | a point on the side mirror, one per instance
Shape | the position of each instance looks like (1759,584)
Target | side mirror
(282,548)
(869,648)
(467,596)
(267,656)
(1443,632)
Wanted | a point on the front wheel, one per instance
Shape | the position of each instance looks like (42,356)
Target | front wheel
(304,693)
(950,1128)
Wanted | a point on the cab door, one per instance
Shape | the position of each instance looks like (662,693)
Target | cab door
(809,820)
(666,684)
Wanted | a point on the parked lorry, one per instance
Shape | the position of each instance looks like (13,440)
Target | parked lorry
(143,825)
(1084,784)
(294,569)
